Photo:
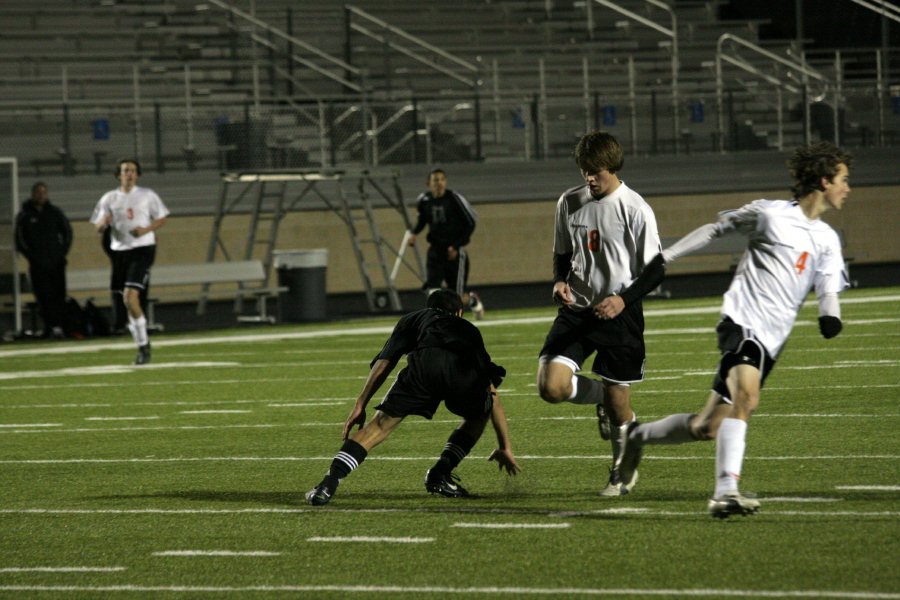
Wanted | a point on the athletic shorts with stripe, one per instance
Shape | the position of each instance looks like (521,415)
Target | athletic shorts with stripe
(619,342)
(435,374)
(131,268)
(739,347)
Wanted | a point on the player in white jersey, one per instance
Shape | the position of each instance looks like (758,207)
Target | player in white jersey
(132,214)
(605,235)
(790,251)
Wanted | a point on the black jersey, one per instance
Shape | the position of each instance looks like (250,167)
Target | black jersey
(432,328)
(450,219)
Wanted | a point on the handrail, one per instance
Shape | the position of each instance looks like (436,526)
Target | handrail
(300,44)
(721,56)
(670,33)
(883,8)
(417,42)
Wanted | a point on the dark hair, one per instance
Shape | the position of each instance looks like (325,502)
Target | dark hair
(599,150)
(432,172)
(809,164)
(36,185)
(127,160)
(445,300)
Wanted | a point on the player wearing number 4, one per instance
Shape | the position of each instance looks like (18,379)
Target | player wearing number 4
(790,251)
(605,234)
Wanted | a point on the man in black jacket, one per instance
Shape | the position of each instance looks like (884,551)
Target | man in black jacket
(44,236)
(451,221)
(446,360)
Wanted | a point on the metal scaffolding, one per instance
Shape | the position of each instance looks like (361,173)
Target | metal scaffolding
(352,194)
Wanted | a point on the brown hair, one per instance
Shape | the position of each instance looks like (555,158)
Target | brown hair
(809,164)
(599,150)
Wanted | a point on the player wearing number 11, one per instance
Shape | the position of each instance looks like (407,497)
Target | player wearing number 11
(790,251)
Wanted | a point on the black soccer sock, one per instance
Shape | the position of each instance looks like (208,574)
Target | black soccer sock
(351,455)
(458,446)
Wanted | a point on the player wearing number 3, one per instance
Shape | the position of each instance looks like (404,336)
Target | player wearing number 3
(790,251)
(605,235)
(132,213)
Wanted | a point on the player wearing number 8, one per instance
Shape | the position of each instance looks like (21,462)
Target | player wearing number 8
(605,234)
(790,251)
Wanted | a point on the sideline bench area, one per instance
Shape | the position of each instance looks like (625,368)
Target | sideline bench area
(248,275)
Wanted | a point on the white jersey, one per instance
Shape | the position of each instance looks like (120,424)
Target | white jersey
(610,239)
(787,255)
(137,208)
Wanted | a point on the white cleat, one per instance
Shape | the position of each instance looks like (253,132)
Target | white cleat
(726,505)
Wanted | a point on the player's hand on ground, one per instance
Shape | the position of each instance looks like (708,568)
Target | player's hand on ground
(610,307)
(505,460)
(562,293)
(412,239)
(357,417)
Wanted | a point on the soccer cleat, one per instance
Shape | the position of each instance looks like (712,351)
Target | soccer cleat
(320,495)
(616,486)
(476,305)
(143,355)
(603,423)
(632,452)
(444,484)
(732,504)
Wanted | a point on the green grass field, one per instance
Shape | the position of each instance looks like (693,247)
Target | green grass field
(185,478)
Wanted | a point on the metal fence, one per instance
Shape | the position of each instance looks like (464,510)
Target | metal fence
(79,138)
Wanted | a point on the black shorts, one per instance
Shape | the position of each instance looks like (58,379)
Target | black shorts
(435,374)
(619,343)
(131,268)
(739,347)
(440,269)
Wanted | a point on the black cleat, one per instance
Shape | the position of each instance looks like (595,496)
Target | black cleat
(143,355)
(320,495)
(445,485)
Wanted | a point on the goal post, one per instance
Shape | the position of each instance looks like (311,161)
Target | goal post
(9,259)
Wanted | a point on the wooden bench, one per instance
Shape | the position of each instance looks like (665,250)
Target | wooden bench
(249,275)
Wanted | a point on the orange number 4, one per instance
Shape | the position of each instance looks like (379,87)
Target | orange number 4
(801,263)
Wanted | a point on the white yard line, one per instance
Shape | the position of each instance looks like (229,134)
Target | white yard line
(45,350)
(576,457)
(216,553)
(873,488)
(61,569)
(371,539)
(381,590)
(512,525)
(152,418)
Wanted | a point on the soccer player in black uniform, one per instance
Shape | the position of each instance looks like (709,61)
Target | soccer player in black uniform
(446,360)
(451,221)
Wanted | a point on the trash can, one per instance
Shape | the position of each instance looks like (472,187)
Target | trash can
(302,272)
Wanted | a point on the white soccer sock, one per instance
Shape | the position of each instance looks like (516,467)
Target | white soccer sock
(586,391)
(730,444)
(674,429)
(138,328)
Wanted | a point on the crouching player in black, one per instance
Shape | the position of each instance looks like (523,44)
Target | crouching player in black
(446,360)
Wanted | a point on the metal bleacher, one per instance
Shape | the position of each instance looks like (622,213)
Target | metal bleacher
(172,72)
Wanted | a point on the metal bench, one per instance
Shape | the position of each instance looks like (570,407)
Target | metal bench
(248,275)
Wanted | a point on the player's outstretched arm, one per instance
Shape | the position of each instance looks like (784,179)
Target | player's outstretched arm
(503,454)
(381,368)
